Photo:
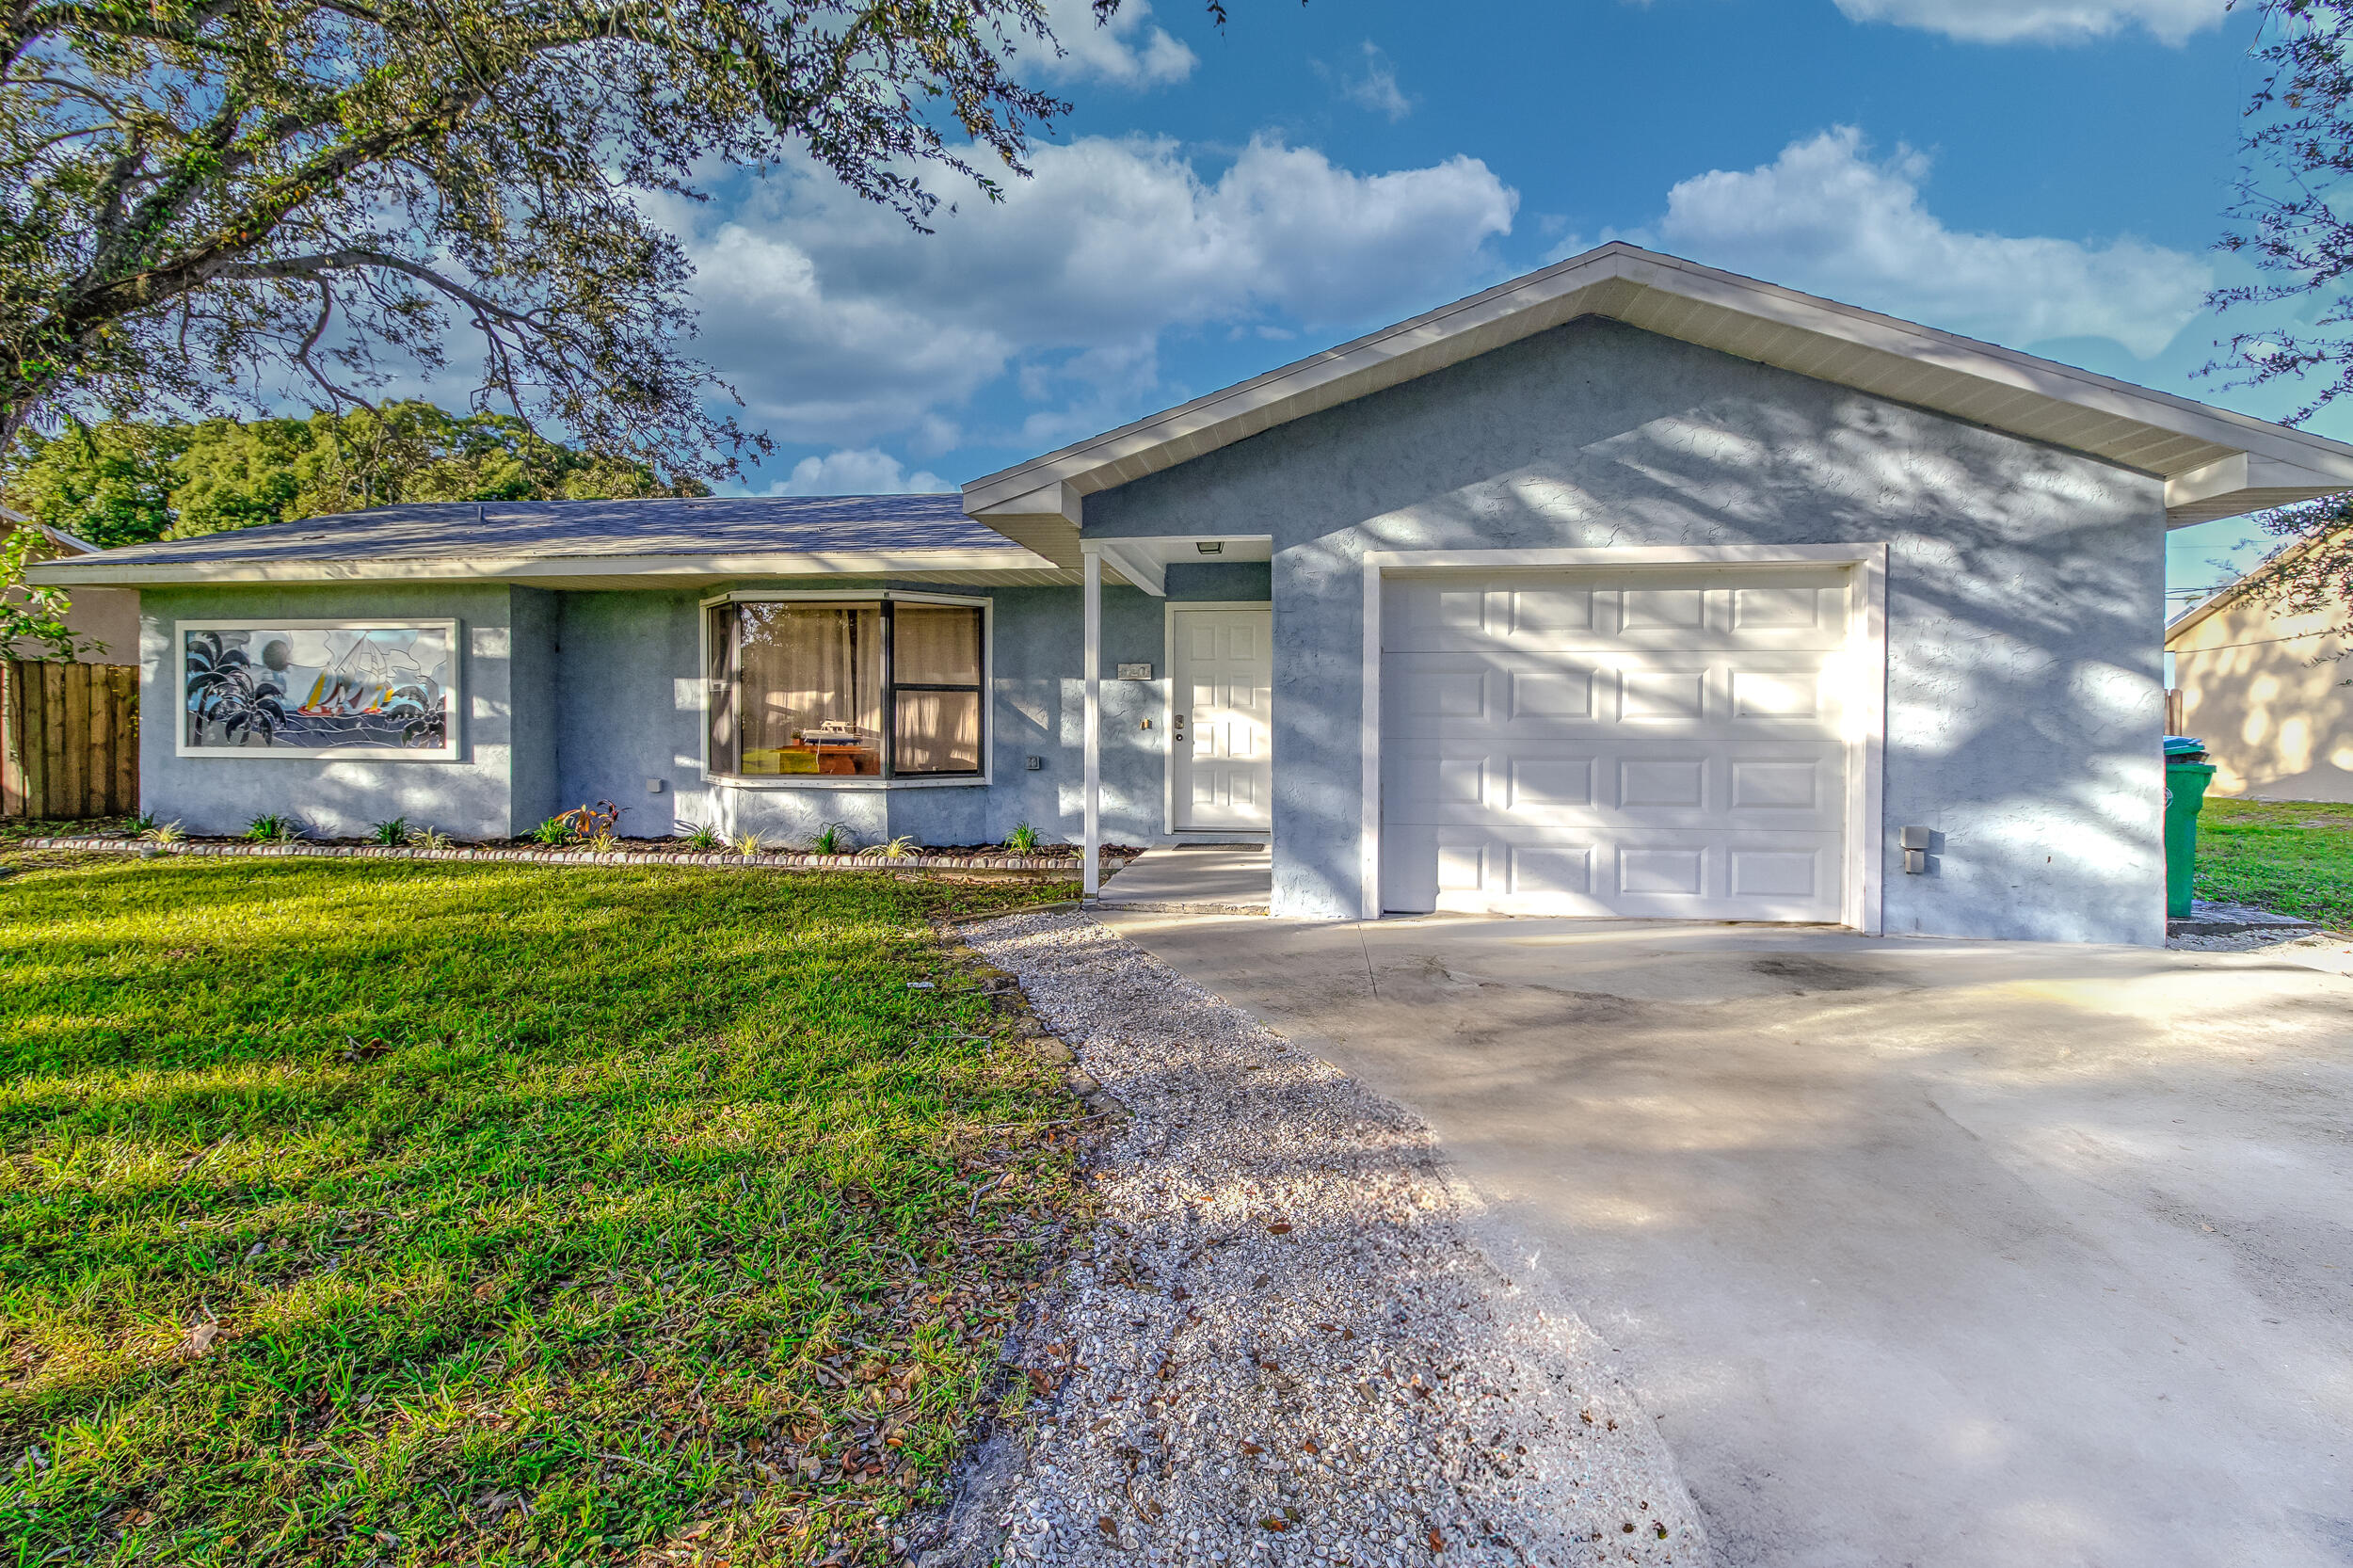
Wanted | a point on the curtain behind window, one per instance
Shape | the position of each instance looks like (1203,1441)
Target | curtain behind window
(809,669)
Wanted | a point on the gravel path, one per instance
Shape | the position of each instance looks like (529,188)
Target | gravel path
(1280,1346)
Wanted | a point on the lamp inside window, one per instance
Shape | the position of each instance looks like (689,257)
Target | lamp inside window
(826,689)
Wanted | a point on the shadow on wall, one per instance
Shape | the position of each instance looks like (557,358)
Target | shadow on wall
(2273,699)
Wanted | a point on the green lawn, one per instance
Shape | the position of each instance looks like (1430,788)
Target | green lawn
(2295,857)
(399,1213)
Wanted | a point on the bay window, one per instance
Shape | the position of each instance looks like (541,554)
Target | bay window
(821,688)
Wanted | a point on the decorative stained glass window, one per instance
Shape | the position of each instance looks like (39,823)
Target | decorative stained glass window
(308,688)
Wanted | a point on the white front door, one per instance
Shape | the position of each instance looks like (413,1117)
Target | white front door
(1221,694)
(1664,741)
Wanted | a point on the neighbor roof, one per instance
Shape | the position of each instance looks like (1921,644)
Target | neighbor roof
(587,541)
(2216,463)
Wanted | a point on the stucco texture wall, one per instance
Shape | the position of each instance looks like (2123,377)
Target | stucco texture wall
(628,710)
(2024,593)
(474,796)
(2271,694)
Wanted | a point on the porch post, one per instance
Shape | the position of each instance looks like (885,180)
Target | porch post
(1092,882)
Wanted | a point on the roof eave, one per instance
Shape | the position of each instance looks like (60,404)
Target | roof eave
(100,573)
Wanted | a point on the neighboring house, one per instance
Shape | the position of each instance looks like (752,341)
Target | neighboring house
(2270,691)
(109,616)
(1629,587)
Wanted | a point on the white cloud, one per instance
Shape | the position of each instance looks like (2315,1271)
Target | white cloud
(840,325)
(1377,89)
(2040,21)
(864,470)
(1829,217)
(1120,49)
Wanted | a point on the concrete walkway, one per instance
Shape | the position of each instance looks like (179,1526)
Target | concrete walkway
(1207,879)
(1936,1254)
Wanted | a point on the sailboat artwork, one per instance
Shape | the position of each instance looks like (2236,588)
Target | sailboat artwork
(319,689)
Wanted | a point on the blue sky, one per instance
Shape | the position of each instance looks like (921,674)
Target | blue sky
(2049,174)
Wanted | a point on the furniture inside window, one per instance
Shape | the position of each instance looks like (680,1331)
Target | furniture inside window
(826,689)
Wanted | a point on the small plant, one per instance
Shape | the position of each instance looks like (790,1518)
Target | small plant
(593,821)
(744,844)
(604,843)
(900,848)
(140,825)
(699,835)
(273,827)
(162,833)
(1022,839)
(391,832)
(427,838)
(554,831)
(832,838)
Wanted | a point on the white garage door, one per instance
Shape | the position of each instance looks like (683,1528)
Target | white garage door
(1660,742)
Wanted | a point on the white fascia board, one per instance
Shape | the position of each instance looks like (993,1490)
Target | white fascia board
(2244,482)
(1043,519)
(1049,500)
(1608,281)
(1137,567)
(2210,482)
(100,573)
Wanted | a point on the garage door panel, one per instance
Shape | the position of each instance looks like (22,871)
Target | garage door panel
(1662,743)
(1649,876)
(1657,783)
(1802,608)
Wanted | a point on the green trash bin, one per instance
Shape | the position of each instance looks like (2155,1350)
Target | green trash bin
(2187,775)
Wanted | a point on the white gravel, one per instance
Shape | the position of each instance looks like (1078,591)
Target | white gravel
(1280,1346)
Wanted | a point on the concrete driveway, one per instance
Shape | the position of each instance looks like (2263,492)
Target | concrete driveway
(1935,1254)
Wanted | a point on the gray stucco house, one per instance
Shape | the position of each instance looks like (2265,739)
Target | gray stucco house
(1629,587)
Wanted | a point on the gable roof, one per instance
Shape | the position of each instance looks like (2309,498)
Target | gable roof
(2216,463)
(587,541)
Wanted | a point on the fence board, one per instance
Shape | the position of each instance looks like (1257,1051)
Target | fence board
(11,739)
(74,746)
(69,740)
(125,679)
(51,732)
(104,735)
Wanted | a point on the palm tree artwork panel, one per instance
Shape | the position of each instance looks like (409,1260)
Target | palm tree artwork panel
(319,688)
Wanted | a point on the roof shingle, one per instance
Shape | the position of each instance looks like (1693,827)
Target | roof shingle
(711,525)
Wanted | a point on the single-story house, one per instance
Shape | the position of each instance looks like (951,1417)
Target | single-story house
(1629,587)
(2269,688)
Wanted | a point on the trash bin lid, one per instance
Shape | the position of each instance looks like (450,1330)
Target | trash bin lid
(2189,748)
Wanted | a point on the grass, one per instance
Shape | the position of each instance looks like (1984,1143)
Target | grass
(17,829)
(402,1213)
(2294,858)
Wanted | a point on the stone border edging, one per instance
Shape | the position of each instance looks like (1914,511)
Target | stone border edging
(1032,864)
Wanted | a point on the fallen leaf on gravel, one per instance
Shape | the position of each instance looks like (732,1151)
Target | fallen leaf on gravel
(1276,1523)
(1105,1525)
(1252,1448)
(1280,1227)
(1437,1542)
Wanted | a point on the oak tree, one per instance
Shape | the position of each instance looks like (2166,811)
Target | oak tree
(196,195)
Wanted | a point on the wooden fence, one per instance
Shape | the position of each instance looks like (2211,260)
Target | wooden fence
(69,740)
